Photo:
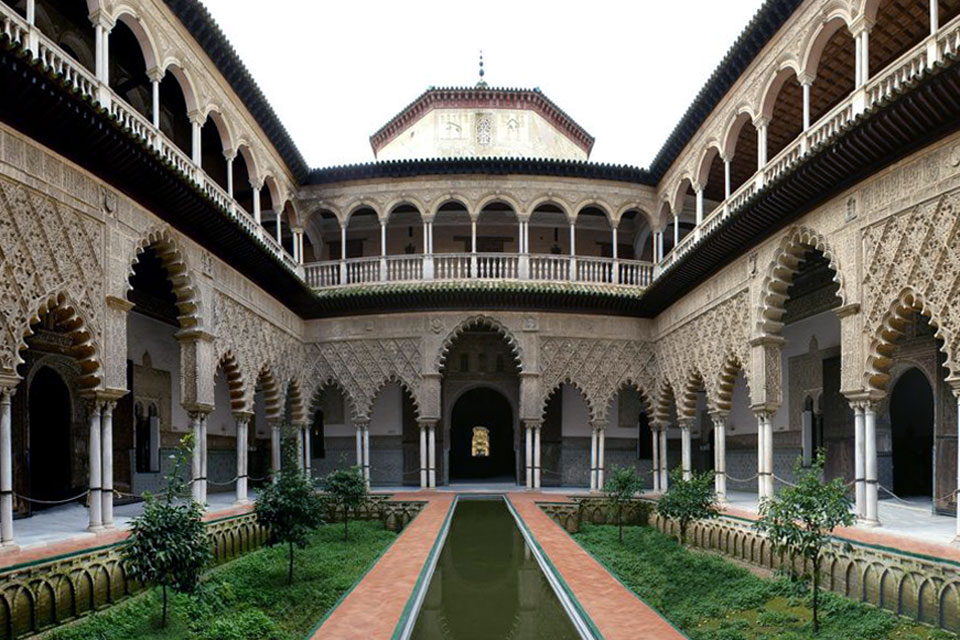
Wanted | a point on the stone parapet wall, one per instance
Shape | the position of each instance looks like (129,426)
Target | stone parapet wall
(920,587)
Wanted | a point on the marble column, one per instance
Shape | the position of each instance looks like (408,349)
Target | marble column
(6,469)
(95,460)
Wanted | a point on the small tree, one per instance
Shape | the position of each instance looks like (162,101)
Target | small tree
(801,519)
(168,543)
(690,500)
(620,489)
(290,507)
(346,489)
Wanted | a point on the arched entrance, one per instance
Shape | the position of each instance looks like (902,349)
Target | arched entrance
(911,422)
(49,452)
(481,436)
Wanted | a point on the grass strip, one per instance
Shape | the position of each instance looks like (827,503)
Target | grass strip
(711,598)
(248,598)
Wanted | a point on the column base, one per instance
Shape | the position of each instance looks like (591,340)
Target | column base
(864,522)
(242,503)
(95,528)
(9,547)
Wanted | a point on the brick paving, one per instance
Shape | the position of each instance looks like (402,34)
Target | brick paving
(373,609)
(615,610)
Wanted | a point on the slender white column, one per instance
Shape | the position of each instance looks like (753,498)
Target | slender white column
(230,160)
(858,460)
(473,236)
(676,230)
(195,134)
(864,37)
(536,457)
(761,458)
(934,17)
(359,447)
(196,488)
(155,86)
(685,449)
(613,231)
(307,450)
(720,452)
(762,145)
(106,445)
(871,495)
(256,202)
(31,12)
(699,194)
(593,459)
(366,453)
(96,461)
(278,230)
(806,103)
(204,458)
(431,236)
(858,62)
(768,453)
(423,456)
(106,56)
(275,458)
(383,238)
(806,432)
(656,460)
(601,439)
(529,455)
(242,422)
(664,470)
(343,253)
(726,179)
(6,470)
(432,455)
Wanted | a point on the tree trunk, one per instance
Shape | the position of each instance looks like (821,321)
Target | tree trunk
(346,510)
(290,570)
(163,618)
(816,589)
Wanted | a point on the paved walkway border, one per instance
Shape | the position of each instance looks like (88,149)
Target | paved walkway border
(578,615)
(412,609)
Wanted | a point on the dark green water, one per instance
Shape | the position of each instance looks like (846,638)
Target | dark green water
(487,584)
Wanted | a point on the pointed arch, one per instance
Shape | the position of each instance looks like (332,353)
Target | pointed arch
(330,382)
(293,398)
(167,247)
(407,386)
(726,380)
(665,401)
(892,327)
(646,399)
(592,407)
(272,398)
(72,320)
(227,363)
(692,386)
(781,270)
(479,321)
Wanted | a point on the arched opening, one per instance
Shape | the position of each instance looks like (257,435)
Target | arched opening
(549,231)
(713,179)
(786,116)
(497,232)
(263,456)
(451,228)
(743,153)
(212,160)
(898,27)
(481,436)
(332,435)
(593,235)
(811,362)
(394,438)
(174,122)
(404,233)
(911,425)
(573,414)
(628,437)
(128,69)
(283,228)
(268,205)
(551,443)
(480,387)
(147,418)
(634,237)
(51,460)
(363,235)
(67,24)
(242,176)
(835,70)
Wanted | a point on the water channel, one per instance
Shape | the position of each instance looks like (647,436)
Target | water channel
(488,585)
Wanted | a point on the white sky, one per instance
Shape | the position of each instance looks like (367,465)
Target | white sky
(335,71)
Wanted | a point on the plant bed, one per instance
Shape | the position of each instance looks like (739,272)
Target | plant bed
(709,598)
(248,598)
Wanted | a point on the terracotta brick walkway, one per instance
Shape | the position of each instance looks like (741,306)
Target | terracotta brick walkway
(615,610)
(373,608)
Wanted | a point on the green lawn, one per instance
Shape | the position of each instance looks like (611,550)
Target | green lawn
(248,598)
(711,598)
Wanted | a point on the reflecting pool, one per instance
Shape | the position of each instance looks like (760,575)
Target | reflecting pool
(488,585)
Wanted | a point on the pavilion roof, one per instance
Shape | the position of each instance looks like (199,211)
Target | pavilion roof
(482,97)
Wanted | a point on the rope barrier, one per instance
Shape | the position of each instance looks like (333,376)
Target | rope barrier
(223,484)
(64,501)
(786,482)
(750,479)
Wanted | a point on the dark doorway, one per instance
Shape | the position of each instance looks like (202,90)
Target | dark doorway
(911,420)
(551,442)
(482,408)
(49,454)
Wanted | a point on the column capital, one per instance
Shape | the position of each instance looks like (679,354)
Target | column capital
(230,155)
(532,424)
(719,416)
(685,423)
(196,116)
(764,411)
(761,121)
(861,24)
(864,400)
(427,423)
(156,74)
(197,410)
(101,18)
(806,79)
